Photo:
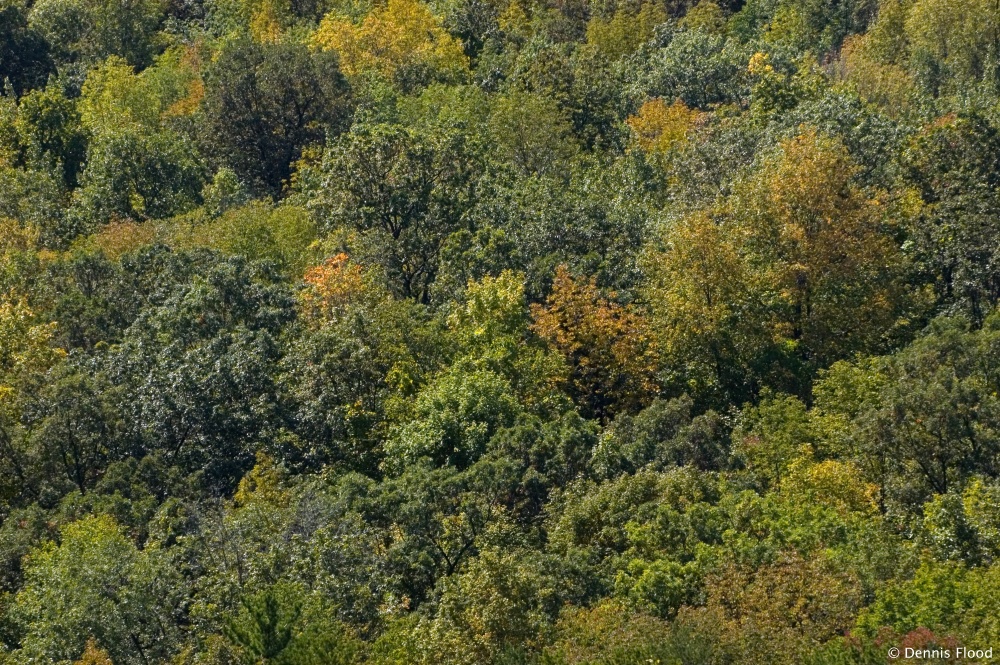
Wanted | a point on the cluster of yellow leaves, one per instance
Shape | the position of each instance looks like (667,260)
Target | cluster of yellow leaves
(404,33)
(626,31)
(266,23)
(608,346)
(797,255)
(955,37)
(514,21)
(584,634)
(114,94)
(120,237)
(263,484)
(284,234)
(331,288)
(706,16)
(25,347)
(958,32)
(659,127)
(887,85)
(775,91)
(94,655)
(18,254)
(832,483)
(822,240)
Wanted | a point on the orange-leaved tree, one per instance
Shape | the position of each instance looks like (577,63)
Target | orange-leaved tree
(608,346)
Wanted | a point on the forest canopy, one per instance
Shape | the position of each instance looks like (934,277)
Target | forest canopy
(498,332)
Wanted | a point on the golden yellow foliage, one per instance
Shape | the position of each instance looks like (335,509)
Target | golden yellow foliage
(262,484)
(832,483)
(120,237)
(706,16)
(15,238)
(265,24)
(706,311)
(402,34)
(887,85)
(94,655)
(584,634)
(114,94)
(797,260)
(25,348)
(659,127)
(819,243)
(514,21)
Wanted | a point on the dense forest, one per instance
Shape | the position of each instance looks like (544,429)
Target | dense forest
(499,332)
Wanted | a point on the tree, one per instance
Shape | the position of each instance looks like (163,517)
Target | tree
(265,103)
(95,583)
(798,269)
(24,54)
(502,601)
(200,365)
(404,192)
(954,167)
(533,133)
(25,351)
(283,626)
(49,130)
(402,41)
(800,603)
(608,346)
(626,31)
(359,353)
(659,127)
(280,235)
(951,48)
(454,419)
(88,31)
(132,175)
(918,422)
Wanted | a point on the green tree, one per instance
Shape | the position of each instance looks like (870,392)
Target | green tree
(954,168)
(96,583)
(265,103)
(91,30)
(282,626)
(404,192)
(24,54)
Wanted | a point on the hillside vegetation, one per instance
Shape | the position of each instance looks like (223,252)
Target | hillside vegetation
(498,332)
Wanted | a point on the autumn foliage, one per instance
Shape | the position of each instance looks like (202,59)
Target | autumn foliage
(608,346)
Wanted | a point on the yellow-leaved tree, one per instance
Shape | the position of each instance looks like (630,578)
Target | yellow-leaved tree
(25,350)
(659,127)
(796,269)
(399,41)
(626,31)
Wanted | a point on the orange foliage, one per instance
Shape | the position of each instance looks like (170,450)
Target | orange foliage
(188,104)
(331,287)
(94,655)
(608,346)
